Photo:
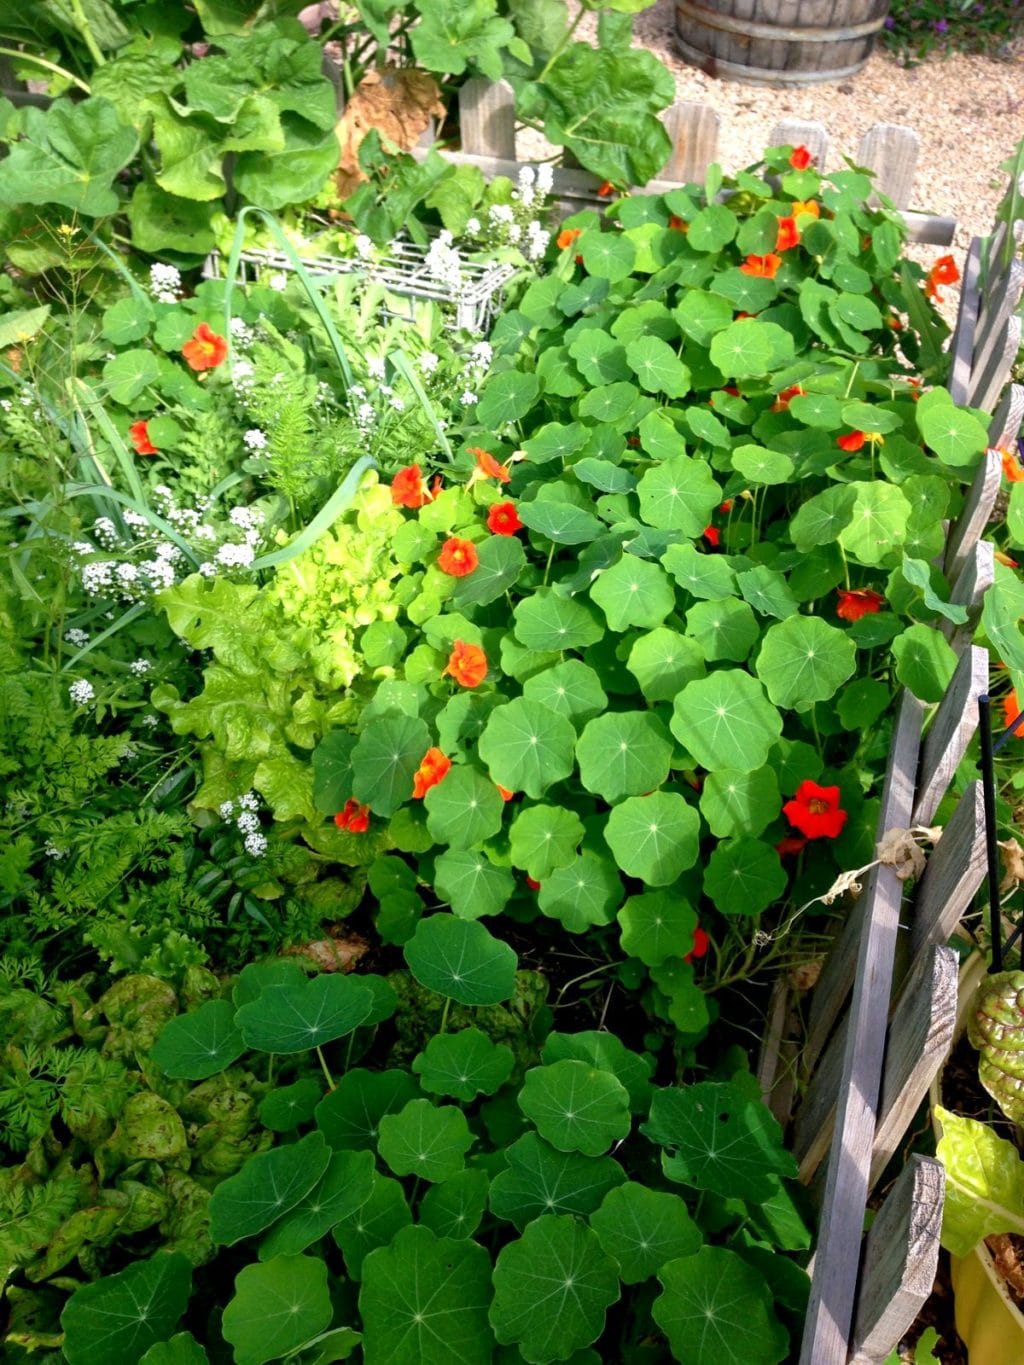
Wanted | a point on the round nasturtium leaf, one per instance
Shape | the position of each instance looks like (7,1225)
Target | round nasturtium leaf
(716,1309)
(743,349)
(607,1051)
(552,1288)
(702,575)
(584,892)
(878,525)
(266,1187)
(538,1179)
(257,976)
(726,721)
(726,629)
(461,960)
(343,1188)
(424,1301)
(817,410)
(758,465)
(606,255)
(287,1019)
(120,1316)
(641,1229)
(349,1117)
(196,1045)
(544,838)
(278,1305)
(654,838)
(527,747)
(924,662)
(633,592)
(507,396)
(471,885)
(804,660)
(463,1065)
(548,621)
(663,662)
(572,689)
(954,435)
(657,925)
(500,561)
(734,802)
(679,495)
(623,753)
(289,1105)
(385,760)
(425,1140)
(465,809)
(181,1349)
(576,1107)
(372,1225)
(455,1207)
(687,1004)
(658,367)
(744,877)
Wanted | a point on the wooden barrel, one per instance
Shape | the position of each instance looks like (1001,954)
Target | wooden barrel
(779,42)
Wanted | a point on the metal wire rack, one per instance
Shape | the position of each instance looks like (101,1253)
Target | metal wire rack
(404,275)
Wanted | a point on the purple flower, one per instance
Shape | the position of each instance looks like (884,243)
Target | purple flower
(890,22)
(940,25)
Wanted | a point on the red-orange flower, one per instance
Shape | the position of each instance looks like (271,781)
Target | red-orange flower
(810,206)
(504,792)
(700,945)
(764,267)
(489,466)
(467,664)
(680,224)
(534,886)
(1012,467)
(800,158)
(408,488)
(814,811)
(853,440)
(790,846)
(725,506)
(1011,711)
(139,435)
(788,234)
(857,602)
(712,535)
(567,236)
(205,350)
(433,769)
(945,271)
(355,818)
(783,400)
(458,557)
(606,190)
(503,519)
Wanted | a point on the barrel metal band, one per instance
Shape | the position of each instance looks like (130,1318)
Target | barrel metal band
(748,28)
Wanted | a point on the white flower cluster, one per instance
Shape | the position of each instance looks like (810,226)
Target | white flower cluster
(82,692)
(364,246)
(255,439)
(140,667)
(443,262)
(77,637)
(278,282)
(164,282)
(52,851)
(517,224)
(247,822)
(241,333)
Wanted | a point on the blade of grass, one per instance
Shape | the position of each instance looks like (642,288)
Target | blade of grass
(120,267)
(923,322)
(401,363)
(82,490)
(82,396)
(326,517)
(126,618)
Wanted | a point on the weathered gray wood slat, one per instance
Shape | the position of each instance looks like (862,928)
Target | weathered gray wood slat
(988,382)
(950,732)
(815,1119)
(970,525)
(1007,418)
(996,308)
(961,348)
(955,871)
(971,585)
(693,129)
(838,972)
(920,1036)
(487,118)
(831,1306)
(801,133)
(891,151)
(901,1255)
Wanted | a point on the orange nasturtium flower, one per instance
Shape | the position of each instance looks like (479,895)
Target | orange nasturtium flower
(857,602)
(205,350)
(700,945)
(764,267)
(503,519)
(814,811)
(783,399)
(567,236)
(712,535)
(1011,711)
(408,488)
(944,271)
(467,664)
(458,557)
(790,845)
(355,818)
(788,235)
(810,206)
(853,440)
(504,792)
(680,224)
(1012,467)
(138,433)
(433,769)
(606,190)
(800,158)
(488,465)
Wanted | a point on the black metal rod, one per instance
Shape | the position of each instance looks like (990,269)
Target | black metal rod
(1008,734)
(1012,940)
(988,787)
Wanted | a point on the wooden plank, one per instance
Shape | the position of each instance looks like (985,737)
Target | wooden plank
(961,348)
(833,1287)
(693,129)
(950,732)
(956,868)
(838,972)
(920,1036)
(815,1119)
(999,301)
(986,385)
(777,1065)
(1007,418)
(797,132)
(901,1255)
(973,582)
(971,523)
(487,118)
(891,151)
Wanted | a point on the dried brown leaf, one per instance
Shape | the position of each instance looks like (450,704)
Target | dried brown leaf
(899,850)
(1012,857)
(399,103)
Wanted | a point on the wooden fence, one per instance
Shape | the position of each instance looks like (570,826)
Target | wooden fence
(883,1012)
(487,132)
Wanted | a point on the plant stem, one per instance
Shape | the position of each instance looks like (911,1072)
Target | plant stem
(82,24)
(547,566)
(562,44)
(325,1070)
(47,66)
(444,1015)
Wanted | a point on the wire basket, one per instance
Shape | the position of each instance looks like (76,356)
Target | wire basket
(405,275)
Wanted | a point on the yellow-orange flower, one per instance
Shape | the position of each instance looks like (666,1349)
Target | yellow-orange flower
(489,466)
(788,235)
(764,267)
(204,350)
(467,664)
(1012,467)
(810,206)
(567,236)
(458,557)
(432,770)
